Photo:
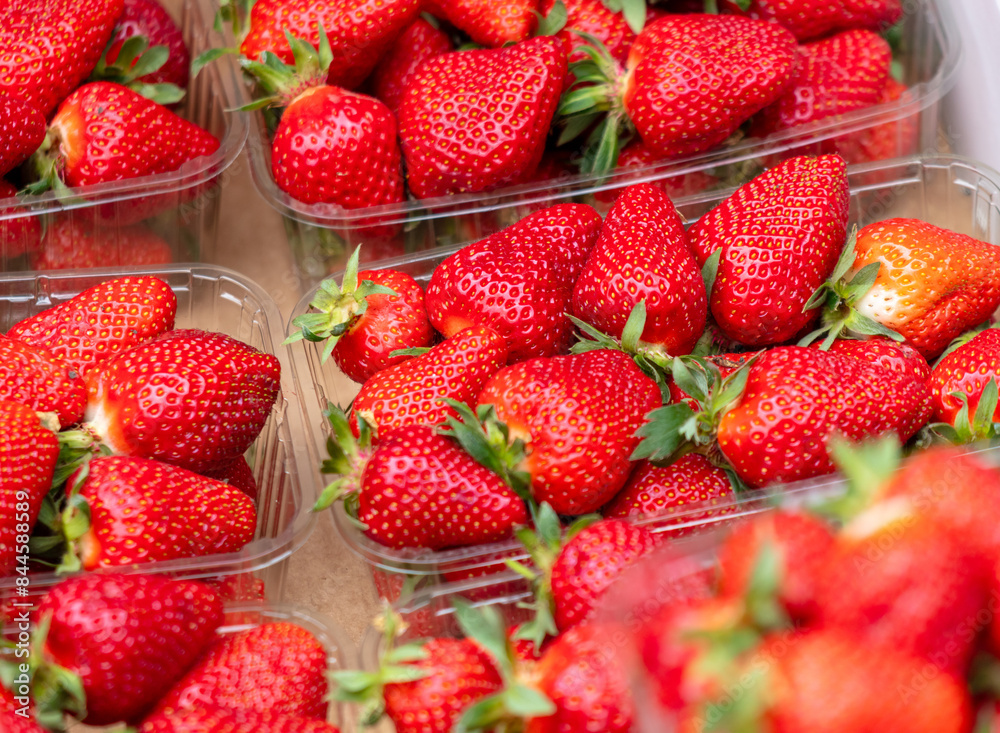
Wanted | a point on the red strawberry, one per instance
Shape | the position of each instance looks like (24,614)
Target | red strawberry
(742,66)
(277,668)
(191,398)
(773,254)
(359,31)
(593,17)
(930,284)
(47,47)
(15,715)
(795,399)
(418,43)
(844,72)
(518,282)
(143,511)
(891,138)
(637,155)
(127,637)
(966,370)
(70,244)
(237,474)
(22,129)
(218,719)
(147,18)
(814,18)
(34,377)
(452,141)
(643,255)
(27,465)
(413,392)
(487,23)
(673,493)
(578,416)
(102,321)
(20,232)
(896,357)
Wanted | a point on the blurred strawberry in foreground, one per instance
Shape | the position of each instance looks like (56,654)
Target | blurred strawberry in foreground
(12,719)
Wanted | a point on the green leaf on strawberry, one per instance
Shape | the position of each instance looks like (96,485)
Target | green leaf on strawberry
(135,60)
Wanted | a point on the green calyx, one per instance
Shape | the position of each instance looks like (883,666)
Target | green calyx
(55,689)
(339,308)
(867,466)
(634,12)
(979,427)
(555,21)
(45,166)
(135,60)
(347,457)
(279,82)
(838,298)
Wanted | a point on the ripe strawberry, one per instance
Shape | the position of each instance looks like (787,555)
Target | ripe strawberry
(889,354)
(275,668)
(148,19)
(927,284)
(488,24)
(742,66)
(27,465)
(102,321)
(15,716)
(237,474)
(365,319)
(891,138)
(34,377)
(642,255)
(811,19)
(143,511)
(835,75)
(577,416)
(70,244)
(47,47)
(22,129)
(592,17)
(413,392)
(127,637)
(675,494)
(967,370)
(772,256)
(518,282)
(418,43)
(20,235)
(795,399)
(218,719)
(463,149)
(639,156)
(360,32)
(190,398)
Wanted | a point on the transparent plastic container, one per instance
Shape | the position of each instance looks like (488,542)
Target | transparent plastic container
(187,199)
(322,236)
(212,299)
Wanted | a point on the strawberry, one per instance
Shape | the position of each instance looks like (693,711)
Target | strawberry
(148,19)
(22,129)
(47,47)
(675,494)
(102,321)
(127,638)
(577,416)
(742,66)
(488,24)
(813,18)
(277,668)
(360,32)
(70,244)
(20,232)
(237,474)
(418,43)
(413,392)
(141,510)
(372,314)
(911,279)
(889,354)
(595,18)
(452,142)
(15,716)
(835,75)
(27,465)
(773,257)
(190,398)
(34,377)
(518,282)
(639,156)
(966,370)
(890,138)
(218,719)
(642,256)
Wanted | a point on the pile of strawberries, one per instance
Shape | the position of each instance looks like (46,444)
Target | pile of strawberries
(636,368)
(871,611)
(82,94)
(380,102)
(150,651)
(123,438)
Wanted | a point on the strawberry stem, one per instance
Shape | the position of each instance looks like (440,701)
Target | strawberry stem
(347,458)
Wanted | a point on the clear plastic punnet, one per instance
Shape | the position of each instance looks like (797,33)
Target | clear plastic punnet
(948,191)
(211,299)
(322,236)
(184,204)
